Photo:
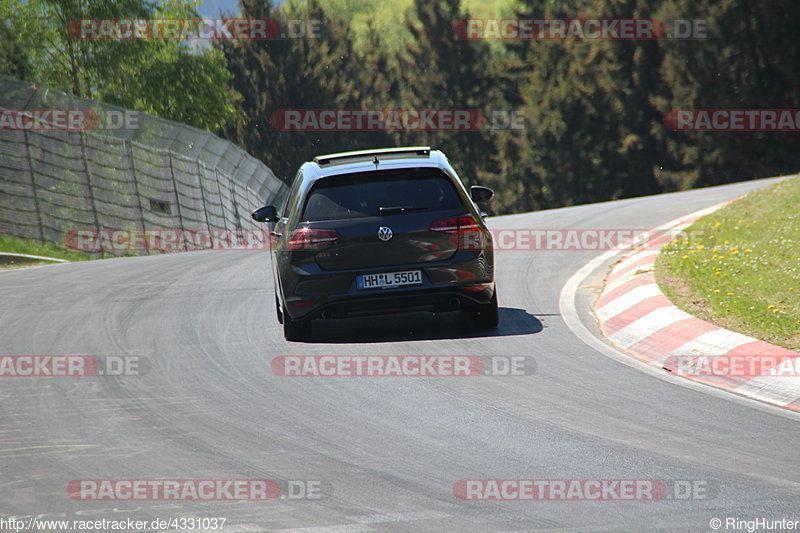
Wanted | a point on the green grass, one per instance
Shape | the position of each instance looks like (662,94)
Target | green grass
(740,267)
(25,246)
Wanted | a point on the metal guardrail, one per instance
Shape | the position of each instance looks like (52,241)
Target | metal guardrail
(158,175)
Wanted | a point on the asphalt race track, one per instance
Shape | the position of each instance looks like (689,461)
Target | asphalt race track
(386,451)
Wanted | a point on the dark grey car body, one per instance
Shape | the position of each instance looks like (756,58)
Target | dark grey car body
(356,221)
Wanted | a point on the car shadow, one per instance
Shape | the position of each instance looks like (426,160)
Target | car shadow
(418,326)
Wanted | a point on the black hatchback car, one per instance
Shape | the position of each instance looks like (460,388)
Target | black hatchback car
(380,231)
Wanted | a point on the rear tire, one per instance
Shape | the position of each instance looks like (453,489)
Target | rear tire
(296,330)
(278,312)
(484,316)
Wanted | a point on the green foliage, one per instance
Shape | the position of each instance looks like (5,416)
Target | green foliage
(16,245)
(296,74)
(589,109)
(749,61)
(163,77)
(77,66)
(13,60)
(592,109)
(385,19)
(185,87)
(739,268)
(447,73)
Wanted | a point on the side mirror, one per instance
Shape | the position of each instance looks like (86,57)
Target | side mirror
(480,194)
(266,214)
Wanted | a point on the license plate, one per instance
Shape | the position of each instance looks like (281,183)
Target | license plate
(390,279)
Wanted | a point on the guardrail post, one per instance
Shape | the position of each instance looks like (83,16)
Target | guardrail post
(200,178)
(177,198)
(33,185)
(88,168)
(221,202)
(129,150)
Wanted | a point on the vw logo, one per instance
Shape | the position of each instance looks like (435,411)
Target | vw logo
(384,233)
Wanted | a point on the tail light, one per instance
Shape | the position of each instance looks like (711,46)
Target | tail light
(312,239)
(465,233)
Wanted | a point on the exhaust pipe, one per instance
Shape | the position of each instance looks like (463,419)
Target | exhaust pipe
(327,314)
(454,302)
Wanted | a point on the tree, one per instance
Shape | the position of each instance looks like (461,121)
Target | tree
(76,66)
(589,101)
(749,60)
(441,71)
(164,77)
(291,74)
(13,60)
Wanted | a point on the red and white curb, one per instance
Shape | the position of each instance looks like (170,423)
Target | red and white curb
(637,317)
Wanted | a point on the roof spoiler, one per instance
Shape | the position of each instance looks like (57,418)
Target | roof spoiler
(375,155)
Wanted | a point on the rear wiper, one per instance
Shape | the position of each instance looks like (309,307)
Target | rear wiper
(399,209)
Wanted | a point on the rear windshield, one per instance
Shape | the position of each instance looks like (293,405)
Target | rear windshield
(369,194)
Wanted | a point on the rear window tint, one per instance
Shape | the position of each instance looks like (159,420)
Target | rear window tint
(363,194)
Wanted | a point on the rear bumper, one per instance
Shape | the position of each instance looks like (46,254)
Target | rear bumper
(309,292)
(393,301)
